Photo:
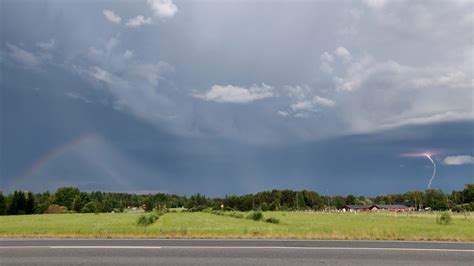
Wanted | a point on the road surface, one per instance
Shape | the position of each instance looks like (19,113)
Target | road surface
(232,252)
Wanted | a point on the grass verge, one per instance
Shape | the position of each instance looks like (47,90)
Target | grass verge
(292,225)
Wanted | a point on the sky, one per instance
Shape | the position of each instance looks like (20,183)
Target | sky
(233,97)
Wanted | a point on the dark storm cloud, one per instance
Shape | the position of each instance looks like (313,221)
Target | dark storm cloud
(235,96)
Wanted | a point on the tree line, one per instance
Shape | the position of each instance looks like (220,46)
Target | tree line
(71,199)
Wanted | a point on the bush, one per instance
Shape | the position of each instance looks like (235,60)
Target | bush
(89,207)
(444,219)
(228,209)
(197,209)
(143,220)
(233,214)
(272,220)
(256,216)
(147,219)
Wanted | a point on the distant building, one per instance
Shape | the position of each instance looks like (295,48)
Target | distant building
(377,207)
(395,207)
(357,208)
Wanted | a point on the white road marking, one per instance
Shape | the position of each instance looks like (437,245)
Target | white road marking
(314,248)
(241,247)
(236,240)
(105,247)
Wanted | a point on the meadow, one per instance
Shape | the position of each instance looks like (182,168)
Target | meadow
(293,225)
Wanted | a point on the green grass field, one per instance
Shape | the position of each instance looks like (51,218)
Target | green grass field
(293,225)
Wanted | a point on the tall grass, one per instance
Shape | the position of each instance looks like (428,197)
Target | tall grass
(298,225)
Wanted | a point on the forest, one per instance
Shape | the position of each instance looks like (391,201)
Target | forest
(71,199)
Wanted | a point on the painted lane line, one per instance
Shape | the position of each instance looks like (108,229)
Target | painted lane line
(235,240)
(317,248)
(23,247)
(238,247)
(105,247)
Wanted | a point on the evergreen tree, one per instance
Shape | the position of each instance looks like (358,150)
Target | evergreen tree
(350,199)
(17,204)
(3,204)
(30,203)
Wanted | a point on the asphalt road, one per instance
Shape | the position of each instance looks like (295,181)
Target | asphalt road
(232,252)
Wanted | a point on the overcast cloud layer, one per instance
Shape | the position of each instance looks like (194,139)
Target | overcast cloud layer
(275,77)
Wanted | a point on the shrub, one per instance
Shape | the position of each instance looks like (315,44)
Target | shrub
(233,214)
(89,207)
(256,216)
(197,209)
(143,220)
(272,220)
(147,219)
(444,219)
(228,209)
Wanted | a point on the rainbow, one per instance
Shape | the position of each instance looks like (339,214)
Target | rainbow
(36,167)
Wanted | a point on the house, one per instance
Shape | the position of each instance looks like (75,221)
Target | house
(378,207)
(395,207)
(357,208)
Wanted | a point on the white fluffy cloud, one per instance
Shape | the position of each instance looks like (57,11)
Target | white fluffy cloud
(283,113)
(111,16)
(304,101)
(386,94)
(323,101)
(311,104)
(302,106)
(135,86)
(236,94)
(343,54)
(396,79)
(138,21)
(458,160)
(163,8)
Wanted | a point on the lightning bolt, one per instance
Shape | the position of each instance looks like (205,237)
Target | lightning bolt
(434,169)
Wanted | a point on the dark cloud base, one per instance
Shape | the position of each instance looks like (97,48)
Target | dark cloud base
(151,159)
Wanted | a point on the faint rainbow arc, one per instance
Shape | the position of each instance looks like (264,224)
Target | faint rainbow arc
(53,154)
